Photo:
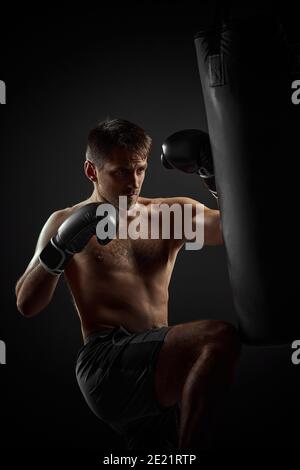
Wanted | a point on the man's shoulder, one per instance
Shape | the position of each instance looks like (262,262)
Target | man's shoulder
(59,215)
(66,211)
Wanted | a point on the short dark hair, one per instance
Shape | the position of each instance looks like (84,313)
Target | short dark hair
(112,133)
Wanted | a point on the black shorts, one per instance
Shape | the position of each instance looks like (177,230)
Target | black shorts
(115,372)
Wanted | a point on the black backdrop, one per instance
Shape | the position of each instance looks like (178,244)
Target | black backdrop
(63,74)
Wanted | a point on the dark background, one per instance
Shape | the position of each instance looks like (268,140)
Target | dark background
(63,74)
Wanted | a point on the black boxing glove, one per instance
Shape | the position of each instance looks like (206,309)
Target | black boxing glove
(190,151)
(74,233)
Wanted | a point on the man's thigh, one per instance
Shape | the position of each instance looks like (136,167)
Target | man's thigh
(182,346)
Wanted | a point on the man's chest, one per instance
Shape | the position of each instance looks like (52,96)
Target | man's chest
(128,254)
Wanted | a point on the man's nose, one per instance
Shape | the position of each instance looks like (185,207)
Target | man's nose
(134,183)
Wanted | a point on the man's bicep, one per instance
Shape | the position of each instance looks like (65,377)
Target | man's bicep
(48,231)
(212,227)
(190,222)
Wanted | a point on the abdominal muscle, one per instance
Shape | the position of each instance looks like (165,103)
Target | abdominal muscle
(109,291)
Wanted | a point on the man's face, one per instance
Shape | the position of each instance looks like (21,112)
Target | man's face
(121,175)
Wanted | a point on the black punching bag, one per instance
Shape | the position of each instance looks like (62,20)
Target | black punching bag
(247,71)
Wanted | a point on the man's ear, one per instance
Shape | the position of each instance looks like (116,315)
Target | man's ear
(90,170)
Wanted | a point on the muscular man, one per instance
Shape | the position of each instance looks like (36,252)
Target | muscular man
(138,374)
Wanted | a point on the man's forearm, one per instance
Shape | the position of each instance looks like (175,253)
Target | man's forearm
(221,240)
(34,290)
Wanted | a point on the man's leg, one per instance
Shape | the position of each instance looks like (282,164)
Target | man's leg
(195,367)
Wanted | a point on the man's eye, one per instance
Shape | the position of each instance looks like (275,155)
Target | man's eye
(141,170)
(120,173)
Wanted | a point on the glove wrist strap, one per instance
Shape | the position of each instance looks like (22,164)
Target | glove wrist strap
(53,258)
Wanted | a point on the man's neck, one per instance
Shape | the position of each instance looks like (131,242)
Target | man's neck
(95,197)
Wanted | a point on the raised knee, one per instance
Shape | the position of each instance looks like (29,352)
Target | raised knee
(226,337)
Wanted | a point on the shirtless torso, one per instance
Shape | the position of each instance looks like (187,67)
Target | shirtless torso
(122,283)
